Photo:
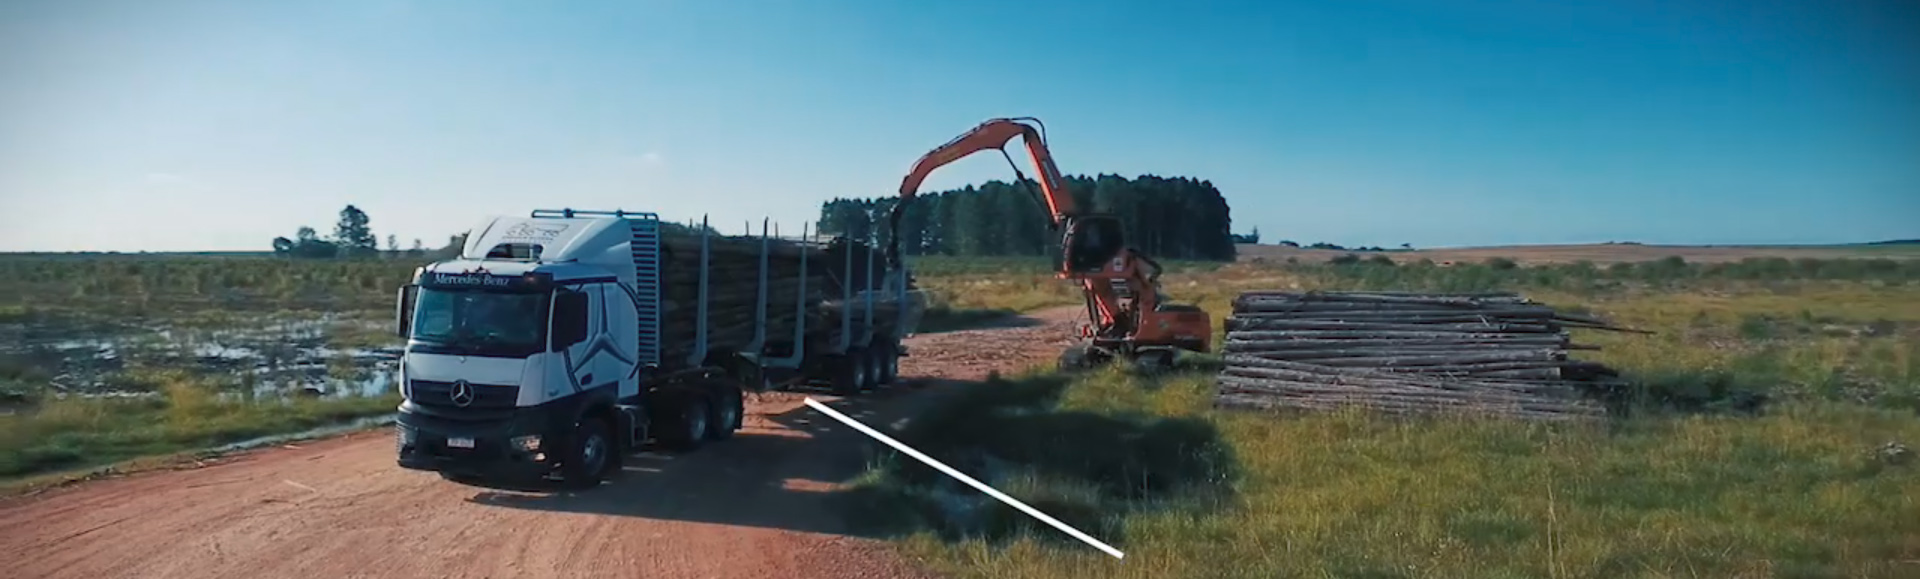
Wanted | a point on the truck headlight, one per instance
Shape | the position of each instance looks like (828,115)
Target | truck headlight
(527,443)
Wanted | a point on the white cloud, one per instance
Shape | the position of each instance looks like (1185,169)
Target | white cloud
(651,158)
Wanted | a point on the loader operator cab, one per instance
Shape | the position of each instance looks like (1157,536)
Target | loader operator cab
(1090,241)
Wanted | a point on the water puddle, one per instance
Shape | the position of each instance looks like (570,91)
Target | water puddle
(318,357)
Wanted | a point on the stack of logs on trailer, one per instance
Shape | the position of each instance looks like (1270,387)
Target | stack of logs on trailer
(733,290)
(1489,353)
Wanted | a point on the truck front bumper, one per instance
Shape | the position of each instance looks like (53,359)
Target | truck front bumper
(515,447)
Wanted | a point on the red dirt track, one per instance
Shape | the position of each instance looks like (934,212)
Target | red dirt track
(753,506)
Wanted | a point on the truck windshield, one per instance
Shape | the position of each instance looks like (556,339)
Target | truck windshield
(481,318)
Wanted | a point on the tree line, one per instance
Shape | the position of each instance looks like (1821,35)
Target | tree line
(353,237)
(1167,218)
(1333,246)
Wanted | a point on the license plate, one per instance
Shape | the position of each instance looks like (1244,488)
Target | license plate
(460,443)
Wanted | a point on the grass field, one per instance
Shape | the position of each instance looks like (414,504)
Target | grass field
(80,432)
(1816,485)
(109,357)
(159,317)
(1188,492)
(1812,486)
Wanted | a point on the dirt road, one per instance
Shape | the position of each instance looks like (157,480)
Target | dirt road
(753,506)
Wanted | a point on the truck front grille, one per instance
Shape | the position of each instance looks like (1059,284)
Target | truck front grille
(436,394)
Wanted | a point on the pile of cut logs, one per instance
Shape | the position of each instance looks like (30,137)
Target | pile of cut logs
(1396,352)
(733,274)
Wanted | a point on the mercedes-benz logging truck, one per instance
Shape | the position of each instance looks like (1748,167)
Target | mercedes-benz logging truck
(557,344)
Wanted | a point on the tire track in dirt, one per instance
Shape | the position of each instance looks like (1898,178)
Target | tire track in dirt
(753,506)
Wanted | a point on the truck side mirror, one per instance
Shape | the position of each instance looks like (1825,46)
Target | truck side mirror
(569,319)
(403,310)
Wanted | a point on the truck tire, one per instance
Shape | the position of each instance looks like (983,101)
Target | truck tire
(591,450)
(729,412)
(879,358)
(849,374)
(889,363)
(875,379)
(870,379)
(686,422)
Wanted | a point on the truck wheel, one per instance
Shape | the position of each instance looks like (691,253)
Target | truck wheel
(890,363)
(591,451)
(849,374)
(869,369)
(688,425)
(884,363)
(876,367)
(729,413)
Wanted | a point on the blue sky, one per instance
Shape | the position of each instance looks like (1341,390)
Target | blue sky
(197,125)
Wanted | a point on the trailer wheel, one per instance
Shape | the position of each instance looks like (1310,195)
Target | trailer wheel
(870,359)
(886,363)
(687,427)
(893,362)
(850,373)
(589,452)
(729,413)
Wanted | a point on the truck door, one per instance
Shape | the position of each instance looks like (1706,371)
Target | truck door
(590,354)
(610,354)
(618,318)
(577,330)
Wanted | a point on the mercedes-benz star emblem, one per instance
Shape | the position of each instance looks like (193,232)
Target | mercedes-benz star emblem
(462,393)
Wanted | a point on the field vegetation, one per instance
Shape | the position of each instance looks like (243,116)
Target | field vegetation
(1774,435)
(76,408)
(1816,482)
(99,355)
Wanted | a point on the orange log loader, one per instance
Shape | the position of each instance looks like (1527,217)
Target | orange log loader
(1130,319)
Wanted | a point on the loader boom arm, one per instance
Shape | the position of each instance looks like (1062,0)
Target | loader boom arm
(992,134)
(1094,253)
(995,134)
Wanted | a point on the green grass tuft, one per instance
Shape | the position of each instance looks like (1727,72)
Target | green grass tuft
(1763,408)
(77,433)
(1798,491)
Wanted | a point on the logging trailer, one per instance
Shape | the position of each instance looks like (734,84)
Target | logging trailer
(1130,319)
(559,343)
